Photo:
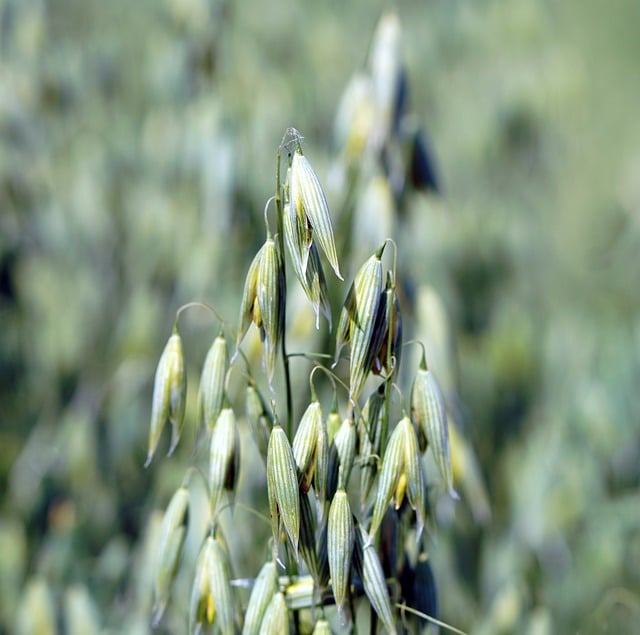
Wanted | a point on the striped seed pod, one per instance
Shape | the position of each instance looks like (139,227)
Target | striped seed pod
(259,417)
(321,476)
(276,617)
(323,557)
(345,442)
(311,275)
(370,432)
(340,537)
(211,595)
(265,587)
(212,378)
(308,528)
(359,313)
(305,443)
(414,476)
(282,486)
(367,565)
(270,298)
(224,457)
(430,417)
(385,354)
(401,474)
(309,206)
(172,535)
(249,308)
(169,395)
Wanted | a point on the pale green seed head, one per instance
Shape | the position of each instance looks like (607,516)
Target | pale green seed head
(212,378)
(169,395)
(370,432)
(307,267)
(321,477)
(211,595)
(368,567)
(265,586)
(276,617)
(282,487)
(345,442)
(270,298)
(308,200)
(392,468)
(202,607)
(305,442)
(178,390)
(248,304)
(308,527)
(414,474)
(224,457)
(360,311)
(429,414)
(172,535)
(340,537)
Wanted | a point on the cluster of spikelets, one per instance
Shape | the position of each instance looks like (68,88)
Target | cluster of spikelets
(308,472)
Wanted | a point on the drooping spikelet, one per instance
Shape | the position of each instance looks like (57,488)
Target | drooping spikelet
(282,486)
(358,320)
(169,395)
(309,210)
(172,535)
(340,537)
(224,457)
(429,414)
(211,389)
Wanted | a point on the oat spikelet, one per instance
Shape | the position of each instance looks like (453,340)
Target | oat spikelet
(308,202)
(172,535)
(211,389)
(169,395)
(282,486)
(265,586)
(340,537)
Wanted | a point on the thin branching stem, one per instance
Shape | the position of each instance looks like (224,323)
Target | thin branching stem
(285,357)
(428,618)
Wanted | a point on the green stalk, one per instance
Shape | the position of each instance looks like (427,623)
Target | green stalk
(285,357)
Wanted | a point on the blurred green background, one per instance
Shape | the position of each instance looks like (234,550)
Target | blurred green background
(137,145)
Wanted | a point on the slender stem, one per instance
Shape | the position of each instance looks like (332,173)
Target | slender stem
(285,357)
(428,618)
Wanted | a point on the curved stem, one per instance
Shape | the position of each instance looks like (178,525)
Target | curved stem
(285,357)
(202,305)
(428,618)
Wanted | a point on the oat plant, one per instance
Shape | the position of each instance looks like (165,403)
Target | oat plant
(344,477)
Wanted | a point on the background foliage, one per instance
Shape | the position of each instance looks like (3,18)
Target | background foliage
(136,153)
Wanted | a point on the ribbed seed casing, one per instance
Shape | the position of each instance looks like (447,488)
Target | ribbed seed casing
(430,416)
(212,378)
(223,457)
(172,534)
(340,537)
(265,587)
(282,486)
(306,194)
